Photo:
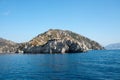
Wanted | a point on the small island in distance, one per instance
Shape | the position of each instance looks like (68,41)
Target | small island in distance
(113,46)
(51,41)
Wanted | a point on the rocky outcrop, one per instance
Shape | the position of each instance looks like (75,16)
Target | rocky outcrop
(56,46)
(7,46)
(53,41)
(60,41)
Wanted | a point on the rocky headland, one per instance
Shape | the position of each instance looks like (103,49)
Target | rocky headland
(51,41)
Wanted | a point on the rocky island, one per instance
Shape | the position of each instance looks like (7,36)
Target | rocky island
(51,41)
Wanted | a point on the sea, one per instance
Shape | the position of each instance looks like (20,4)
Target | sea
(92,65)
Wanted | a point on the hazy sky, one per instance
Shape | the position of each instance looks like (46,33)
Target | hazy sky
(99,20)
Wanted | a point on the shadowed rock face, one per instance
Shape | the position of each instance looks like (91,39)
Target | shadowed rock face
(56,46)
(57,41)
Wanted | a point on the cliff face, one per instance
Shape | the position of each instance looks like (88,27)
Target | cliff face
(60,41)
(54,41)
(7,46)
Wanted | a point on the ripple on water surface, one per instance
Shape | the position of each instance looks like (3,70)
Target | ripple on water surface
(94,65)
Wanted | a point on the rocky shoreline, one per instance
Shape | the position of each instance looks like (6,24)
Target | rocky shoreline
(52,41)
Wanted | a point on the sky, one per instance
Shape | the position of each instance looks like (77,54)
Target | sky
(99,20)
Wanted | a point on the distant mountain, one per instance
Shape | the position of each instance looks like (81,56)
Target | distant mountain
(54,41)
(7,46)
(113,46)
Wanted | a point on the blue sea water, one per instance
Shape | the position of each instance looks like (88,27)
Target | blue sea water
(93,65)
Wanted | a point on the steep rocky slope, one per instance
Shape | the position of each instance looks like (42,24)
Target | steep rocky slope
(52,41)
(7,46)
(60,41)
